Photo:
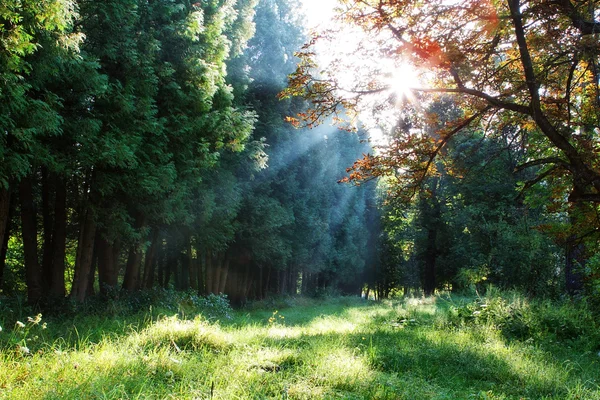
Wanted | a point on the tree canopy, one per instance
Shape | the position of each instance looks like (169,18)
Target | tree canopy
(527,64)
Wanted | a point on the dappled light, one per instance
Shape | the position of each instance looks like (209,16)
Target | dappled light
(349,348)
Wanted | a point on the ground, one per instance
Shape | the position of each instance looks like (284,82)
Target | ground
(444,347)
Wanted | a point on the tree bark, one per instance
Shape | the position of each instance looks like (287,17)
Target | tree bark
(33,272)
(84,258)
(4,212)
(173,262)
(576,253)
(108,272)
(150,261)
(59,240)
(217,273)
(185,271)
(166,266)
(191,264)
(90,291)
(209,271)
(131,281)
(201,261)
(247,286)
(223,276)
(48,227)
(5,197)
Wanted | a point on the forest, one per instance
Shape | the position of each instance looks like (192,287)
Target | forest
(223,147)
(358,199)
(144,146)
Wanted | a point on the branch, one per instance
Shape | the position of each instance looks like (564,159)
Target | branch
(586,27)
(493,101)
(447,137)
(537,179)
(541,120)
(530,79)
(543,161)
(568,88)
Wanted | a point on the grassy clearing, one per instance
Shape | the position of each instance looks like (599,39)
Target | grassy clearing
(438,348)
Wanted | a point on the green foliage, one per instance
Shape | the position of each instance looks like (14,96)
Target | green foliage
(529,320)
(469,225)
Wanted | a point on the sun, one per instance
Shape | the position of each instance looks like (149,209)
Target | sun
(402,81)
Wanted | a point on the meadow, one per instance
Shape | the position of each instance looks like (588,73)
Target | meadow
(501,346)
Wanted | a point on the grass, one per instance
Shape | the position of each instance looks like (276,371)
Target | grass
(342,348)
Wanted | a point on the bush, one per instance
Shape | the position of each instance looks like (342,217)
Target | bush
(521,319)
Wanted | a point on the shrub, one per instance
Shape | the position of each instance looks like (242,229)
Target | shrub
(520,319)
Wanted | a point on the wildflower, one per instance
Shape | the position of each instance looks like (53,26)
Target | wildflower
(20,324)
(24,350)
(476,313)
(35,320)
(44,325)
(0,329)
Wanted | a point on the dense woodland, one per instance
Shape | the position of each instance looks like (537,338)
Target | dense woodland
(147,143)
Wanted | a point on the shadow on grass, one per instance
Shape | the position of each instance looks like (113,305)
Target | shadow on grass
(370,360)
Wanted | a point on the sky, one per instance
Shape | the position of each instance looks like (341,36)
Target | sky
(318,11)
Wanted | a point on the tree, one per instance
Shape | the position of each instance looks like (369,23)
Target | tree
(33,34)
(533,65)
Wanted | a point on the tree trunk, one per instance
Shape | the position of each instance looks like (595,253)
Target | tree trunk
(48,227)
(201,263)
(185,267)
(209,271)
(150,261)
(84,258)
(166,267)
(131,281)
(574,264)
(4,229)
(247,286)
(90,291)
(4,212)
(224,272)
(108,271)
(161,264)
(267,283)
(217,274)
(430,259)
(59,240)
(173,262)
(33,272)
(192,265)
(576,254)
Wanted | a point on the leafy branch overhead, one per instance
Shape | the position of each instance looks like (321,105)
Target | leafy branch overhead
(530,65)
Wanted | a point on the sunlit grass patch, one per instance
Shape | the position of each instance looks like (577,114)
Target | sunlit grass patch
(407,349)
(328,325)
(181,335)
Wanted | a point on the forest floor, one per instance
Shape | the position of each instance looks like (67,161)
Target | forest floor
(446,347)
